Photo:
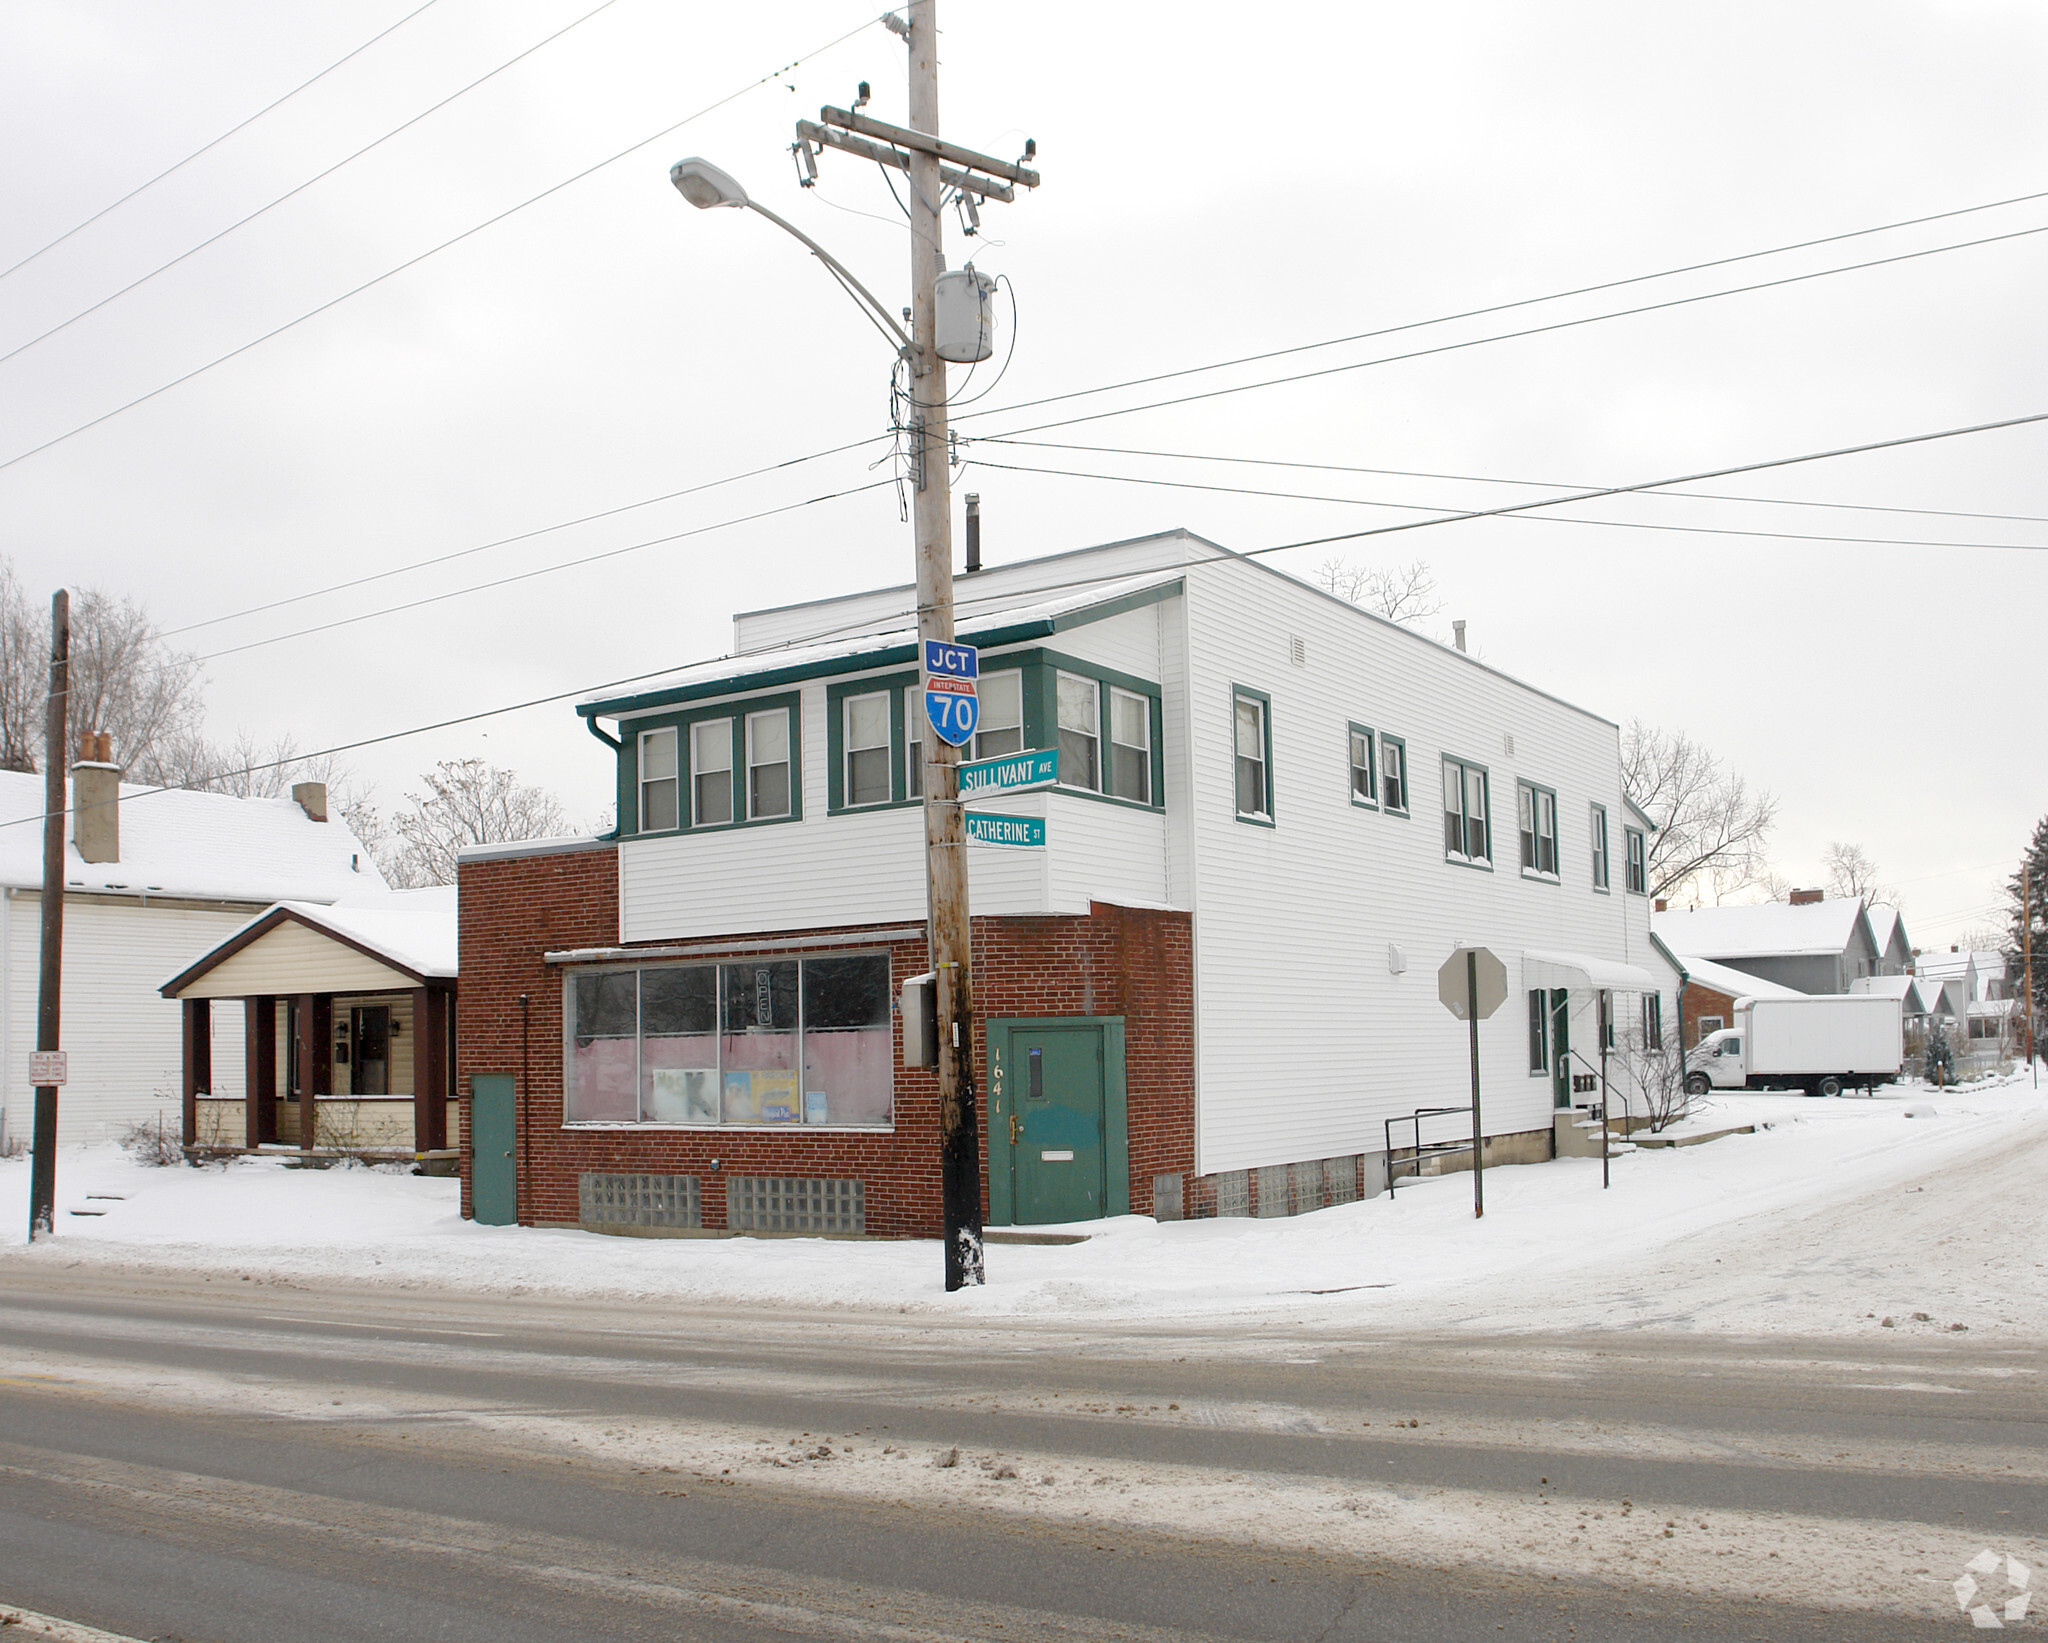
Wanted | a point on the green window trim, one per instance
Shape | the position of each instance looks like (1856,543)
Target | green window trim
(1601,849)
(737,710)
(1531,868)
(1406,808)
(1482,864)
(836,694)
(1352,730)
(1269,818)
(1635,868)
(1041,719)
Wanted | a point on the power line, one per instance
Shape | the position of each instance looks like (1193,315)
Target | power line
(522,536)
(1500,336)
(413,262)
(1525,302)
(1459,518)
(542,570)
(1493,479)
(290,193)
(1533,519)
(223,137)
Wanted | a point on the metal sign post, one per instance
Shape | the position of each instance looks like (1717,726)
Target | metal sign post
(1472,984)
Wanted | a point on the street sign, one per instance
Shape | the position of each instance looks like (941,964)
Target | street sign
(953,707)
(1012,773)
(1493,983)
(1028,831)
(950,661)
(47,1068)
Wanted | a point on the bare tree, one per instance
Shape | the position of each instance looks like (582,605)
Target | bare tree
(1852,874)
(245,767)
(1401,593)
(467,802)
(1711,827)
(125,680)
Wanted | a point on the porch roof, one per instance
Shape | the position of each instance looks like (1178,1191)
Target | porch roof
(1585,970)
(402,938)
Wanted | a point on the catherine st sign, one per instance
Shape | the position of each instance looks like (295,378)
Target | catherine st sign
(1028,831)
(1012,773)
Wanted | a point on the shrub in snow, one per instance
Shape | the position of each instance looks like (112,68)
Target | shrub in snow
(150,1143)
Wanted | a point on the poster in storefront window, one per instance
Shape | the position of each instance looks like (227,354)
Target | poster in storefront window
(761,1097)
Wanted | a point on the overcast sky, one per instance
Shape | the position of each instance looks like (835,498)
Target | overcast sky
(1245,179)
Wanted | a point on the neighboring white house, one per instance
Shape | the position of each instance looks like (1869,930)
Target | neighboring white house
(1809,944)
(164,876)
(1334,803)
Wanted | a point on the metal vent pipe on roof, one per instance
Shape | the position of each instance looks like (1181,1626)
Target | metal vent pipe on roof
(973,531)
(1458,633)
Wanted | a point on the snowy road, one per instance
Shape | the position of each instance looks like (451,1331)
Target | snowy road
(211,1458)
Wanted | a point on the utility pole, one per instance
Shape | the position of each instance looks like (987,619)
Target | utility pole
(945,824)
(42,1184)
(2027,941)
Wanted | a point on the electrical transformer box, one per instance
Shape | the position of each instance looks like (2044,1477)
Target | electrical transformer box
(964,315)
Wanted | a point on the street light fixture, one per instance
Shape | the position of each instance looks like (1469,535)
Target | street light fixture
(706,187)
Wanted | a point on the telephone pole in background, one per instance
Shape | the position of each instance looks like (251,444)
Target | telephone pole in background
(42,1182)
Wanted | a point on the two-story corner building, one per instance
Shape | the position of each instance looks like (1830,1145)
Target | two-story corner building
(1205,993)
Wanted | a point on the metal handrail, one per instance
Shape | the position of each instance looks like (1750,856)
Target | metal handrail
(1435,1149)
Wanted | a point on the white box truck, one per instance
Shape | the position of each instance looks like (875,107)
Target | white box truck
(1817,1044)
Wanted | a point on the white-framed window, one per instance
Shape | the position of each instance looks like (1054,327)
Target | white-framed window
(1599,831)
(1536,809)
(1000,727)
(1249,730)
(864,734)
(1636,865)
(770,1042)
(1465,812)
(913,742)
(1364,768)
(659,789)
(1130,745)
(711,773)
(1393,773)
(1079,706)
(768,773)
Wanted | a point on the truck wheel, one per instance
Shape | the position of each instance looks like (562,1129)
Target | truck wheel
(1697,1083)
(1827,1086)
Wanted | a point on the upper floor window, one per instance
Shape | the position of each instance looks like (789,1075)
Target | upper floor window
(1080,724)
(768,772)
(1465,812)
(1537,810)
(711,772)
(1364,773)
(1130,745)
(1000,728)
(1394,773)
(659,797)
(1599,820)
(1253,742)
(1653,1021)
(913,742)
(867,748)
(1637,865)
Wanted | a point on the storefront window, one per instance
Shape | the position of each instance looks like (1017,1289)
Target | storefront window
(756,1042)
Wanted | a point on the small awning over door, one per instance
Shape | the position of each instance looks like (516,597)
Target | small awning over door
(1582,970)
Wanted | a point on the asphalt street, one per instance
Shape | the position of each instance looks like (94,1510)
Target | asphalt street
(224,1460)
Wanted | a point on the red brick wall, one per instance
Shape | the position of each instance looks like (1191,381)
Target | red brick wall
(1701,1001)
(1118,961)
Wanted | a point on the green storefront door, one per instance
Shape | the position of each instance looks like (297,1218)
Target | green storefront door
(493,1134)
(1058,1148)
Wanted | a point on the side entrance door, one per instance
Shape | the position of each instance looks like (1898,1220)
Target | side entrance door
(493,1136)
(1058,1140)
(1561,1047)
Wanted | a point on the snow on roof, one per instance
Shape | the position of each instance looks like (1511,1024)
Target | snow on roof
(1884,924)
(208,845)
(414,930)
(1773,930)
(1950,966)
(1906,989)
(1702,972)
(886,635)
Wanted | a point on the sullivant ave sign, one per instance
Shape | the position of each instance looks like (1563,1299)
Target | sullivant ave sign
(1012,773)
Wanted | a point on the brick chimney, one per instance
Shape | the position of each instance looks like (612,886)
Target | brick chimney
(1660,905)
(1806,898)
(96,799)
(311,797)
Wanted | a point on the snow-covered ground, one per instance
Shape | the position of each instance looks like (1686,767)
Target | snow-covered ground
(1834,1217)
